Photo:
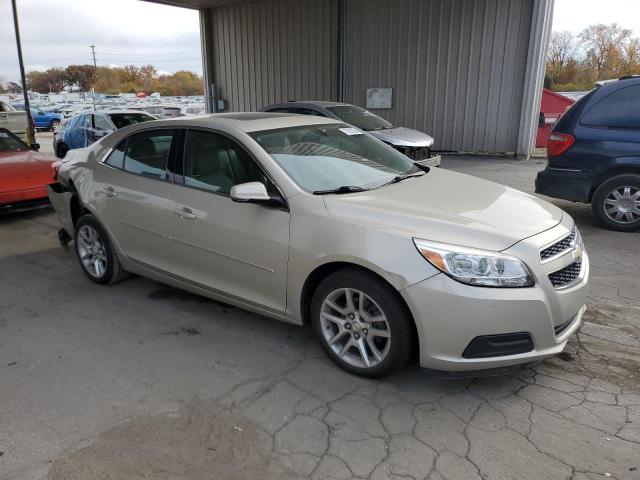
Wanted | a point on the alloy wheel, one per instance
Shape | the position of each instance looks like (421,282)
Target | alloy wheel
(622,204)
(355,328)
(91,251)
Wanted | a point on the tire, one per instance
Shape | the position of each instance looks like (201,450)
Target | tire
(61,150)
(91,239)
(616,202)
(54,124)
(337,325)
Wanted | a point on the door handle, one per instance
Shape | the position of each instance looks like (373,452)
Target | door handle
(109,192)
(184,213)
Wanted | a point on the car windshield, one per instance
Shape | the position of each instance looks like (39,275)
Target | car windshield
(327,157)
(11,143)
(359,117)
(121,120)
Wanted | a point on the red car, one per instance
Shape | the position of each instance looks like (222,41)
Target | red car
(24,174)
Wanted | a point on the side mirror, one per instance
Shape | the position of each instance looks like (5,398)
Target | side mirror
(35,147)
(254,192)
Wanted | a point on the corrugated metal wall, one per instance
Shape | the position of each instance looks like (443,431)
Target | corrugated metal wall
(457,67)
(275,50)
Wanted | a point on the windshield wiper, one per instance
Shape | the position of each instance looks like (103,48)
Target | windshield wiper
(400,178)
(342,189)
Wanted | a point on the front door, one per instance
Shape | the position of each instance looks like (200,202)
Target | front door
(239,250)
(132,191)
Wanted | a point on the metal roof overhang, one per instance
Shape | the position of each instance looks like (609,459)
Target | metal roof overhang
(198,4)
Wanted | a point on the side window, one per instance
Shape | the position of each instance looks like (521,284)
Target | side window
(215,163)
(116,157)
(101,122)
(308,111)
(147,153)
(617,110)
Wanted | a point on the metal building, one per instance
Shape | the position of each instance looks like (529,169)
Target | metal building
(469,72)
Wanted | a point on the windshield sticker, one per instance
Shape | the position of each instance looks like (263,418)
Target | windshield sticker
(351,131)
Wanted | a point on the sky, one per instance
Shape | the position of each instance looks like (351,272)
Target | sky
(56,33)
(575,15)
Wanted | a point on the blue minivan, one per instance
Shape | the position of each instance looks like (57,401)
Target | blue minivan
(594,154)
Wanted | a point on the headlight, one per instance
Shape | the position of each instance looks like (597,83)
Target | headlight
(476,267)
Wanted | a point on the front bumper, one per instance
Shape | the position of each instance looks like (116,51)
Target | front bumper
(449,315)
(23,200)
(570,185)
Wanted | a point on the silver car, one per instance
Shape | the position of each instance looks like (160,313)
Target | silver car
(313,221)
(414,144)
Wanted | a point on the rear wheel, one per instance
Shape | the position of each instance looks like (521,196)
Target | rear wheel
(616,203)
(95,252)
(54,124)
(361,323)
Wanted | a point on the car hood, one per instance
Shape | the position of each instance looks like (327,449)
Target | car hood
(403,137)
(25,170)
(449,207)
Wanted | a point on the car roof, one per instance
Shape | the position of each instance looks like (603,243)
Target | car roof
(250,121)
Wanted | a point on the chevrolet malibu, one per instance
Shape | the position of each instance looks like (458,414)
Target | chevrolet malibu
(312,221)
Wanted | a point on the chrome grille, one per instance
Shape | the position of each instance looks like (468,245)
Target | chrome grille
(416,153)
(565,276)
(559,247)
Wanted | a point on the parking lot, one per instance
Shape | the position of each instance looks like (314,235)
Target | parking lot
(140,380)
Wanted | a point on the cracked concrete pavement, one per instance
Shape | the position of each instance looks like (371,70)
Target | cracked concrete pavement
(140,380)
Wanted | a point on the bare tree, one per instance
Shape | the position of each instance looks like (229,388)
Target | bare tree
(562,47)
(603,46)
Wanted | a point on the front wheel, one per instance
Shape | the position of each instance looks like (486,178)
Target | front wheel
(362,323)
(54,124)
(616,203)
(95,252)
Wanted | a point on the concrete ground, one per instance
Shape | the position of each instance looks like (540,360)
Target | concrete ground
(140,380)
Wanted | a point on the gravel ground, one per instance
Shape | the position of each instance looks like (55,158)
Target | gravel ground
(140,380)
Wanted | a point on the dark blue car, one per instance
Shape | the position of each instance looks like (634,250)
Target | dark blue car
(594,155)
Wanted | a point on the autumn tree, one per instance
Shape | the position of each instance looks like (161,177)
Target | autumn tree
(51,80)
(631,57)
(113,80)
(80,77)
(602,44)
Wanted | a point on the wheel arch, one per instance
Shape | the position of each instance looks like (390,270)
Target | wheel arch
(322,271)
(614,172)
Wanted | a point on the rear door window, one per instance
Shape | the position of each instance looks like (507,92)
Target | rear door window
(146,153)
(101,123)
(619,109)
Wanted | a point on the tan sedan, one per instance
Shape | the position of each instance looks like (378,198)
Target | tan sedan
(312,221)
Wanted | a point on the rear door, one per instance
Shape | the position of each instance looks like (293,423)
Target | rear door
(239,250)
(132,196)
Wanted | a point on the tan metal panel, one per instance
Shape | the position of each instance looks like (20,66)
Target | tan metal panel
(457,67)
(275,50)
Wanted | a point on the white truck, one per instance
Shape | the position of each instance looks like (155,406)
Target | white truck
(13,120)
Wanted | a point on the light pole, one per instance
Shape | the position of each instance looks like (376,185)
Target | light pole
(30,133)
